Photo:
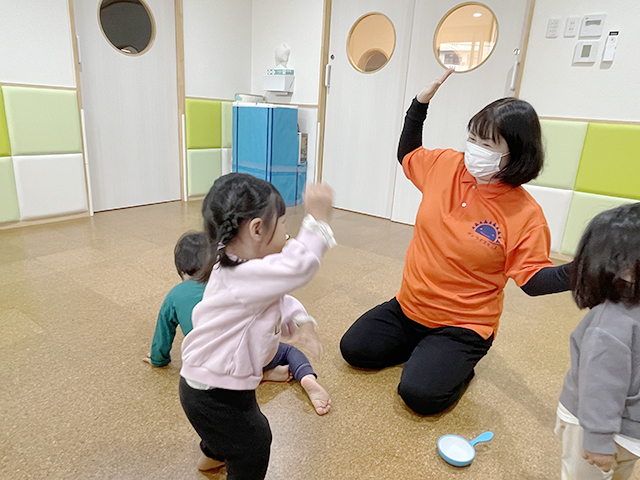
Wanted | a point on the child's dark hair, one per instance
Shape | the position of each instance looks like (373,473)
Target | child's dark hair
(607,265)
(517,122)
(233,200)
(190,253)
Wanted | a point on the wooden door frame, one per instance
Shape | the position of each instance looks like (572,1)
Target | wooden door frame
(322,90)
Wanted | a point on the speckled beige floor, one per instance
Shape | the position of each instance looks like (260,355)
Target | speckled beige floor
(78,303)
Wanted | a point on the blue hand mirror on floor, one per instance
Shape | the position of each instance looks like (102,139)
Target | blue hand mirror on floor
(458,451)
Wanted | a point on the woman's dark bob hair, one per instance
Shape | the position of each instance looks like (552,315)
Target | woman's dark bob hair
(607,265)
(517,122)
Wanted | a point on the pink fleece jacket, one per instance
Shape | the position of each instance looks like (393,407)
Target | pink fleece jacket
(237,325)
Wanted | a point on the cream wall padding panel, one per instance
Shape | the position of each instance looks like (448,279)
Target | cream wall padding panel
(563,141)
(610,163)
(35,43)
(585,206)
(227,161)
(203,168)
(555,204)
(50,185)
(226,113)
(9,210)
(42,120)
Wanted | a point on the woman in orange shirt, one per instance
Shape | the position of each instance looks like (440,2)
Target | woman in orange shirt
(476,227)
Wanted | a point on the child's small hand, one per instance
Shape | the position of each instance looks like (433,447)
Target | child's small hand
(318,199)
(307,339)
(603,461)
(147,359)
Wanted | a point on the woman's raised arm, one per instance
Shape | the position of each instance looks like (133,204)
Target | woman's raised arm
(411,136)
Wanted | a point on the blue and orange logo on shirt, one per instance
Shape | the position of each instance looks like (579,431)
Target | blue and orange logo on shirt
(487,232)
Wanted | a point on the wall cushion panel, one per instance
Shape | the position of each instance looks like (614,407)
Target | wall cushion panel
(563,142)
(204,166)
(5,146)
(226,109)
(610,162)
(227,161)
(555,205)
(42,120)
(203,123)
(50,185)
(9,210)
(585,206)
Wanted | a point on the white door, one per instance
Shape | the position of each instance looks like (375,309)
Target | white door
(130,104)
(464,94)
(363,112)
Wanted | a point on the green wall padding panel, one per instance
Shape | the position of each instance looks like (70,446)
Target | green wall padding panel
(203,123)
(585,206)
(9,210)
(563,141)
(204,166)
(5,145)
(42,120)
(610,163)
(227,124)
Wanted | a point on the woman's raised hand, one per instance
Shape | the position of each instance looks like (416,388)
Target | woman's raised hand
(427,93)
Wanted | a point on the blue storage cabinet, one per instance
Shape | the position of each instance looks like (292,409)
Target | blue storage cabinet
(266,145)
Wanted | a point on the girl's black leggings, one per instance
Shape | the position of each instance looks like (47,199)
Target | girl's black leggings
(232,429)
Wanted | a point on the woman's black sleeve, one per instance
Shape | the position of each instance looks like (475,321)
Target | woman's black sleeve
(411,136)
(549,280)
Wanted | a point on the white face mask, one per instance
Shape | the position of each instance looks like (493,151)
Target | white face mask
(482,162)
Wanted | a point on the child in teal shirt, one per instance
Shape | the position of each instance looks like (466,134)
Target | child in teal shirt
(179,302)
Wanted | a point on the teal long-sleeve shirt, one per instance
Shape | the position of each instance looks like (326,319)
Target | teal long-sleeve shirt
(176,310)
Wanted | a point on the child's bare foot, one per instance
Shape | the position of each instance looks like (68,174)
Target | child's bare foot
(279,374)
(319,396)
(206,463)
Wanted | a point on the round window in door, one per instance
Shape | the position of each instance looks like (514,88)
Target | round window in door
(465,37)
(128,25)
(371,42)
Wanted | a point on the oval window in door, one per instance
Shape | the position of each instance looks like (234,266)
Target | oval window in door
(465,37)
(128,25)
(371,42)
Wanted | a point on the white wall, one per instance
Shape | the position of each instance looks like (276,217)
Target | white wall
(600,91)
(297,23)
(217,48)
(35,43)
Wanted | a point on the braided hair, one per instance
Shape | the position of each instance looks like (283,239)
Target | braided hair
(233,200)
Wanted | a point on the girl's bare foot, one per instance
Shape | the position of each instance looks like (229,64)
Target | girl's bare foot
(206,463)
(279,374)
(318,395)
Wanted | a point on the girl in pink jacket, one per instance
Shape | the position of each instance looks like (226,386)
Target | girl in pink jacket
(243,313)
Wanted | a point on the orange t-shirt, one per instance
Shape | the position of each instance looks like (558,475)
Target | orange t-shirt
(469,238)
